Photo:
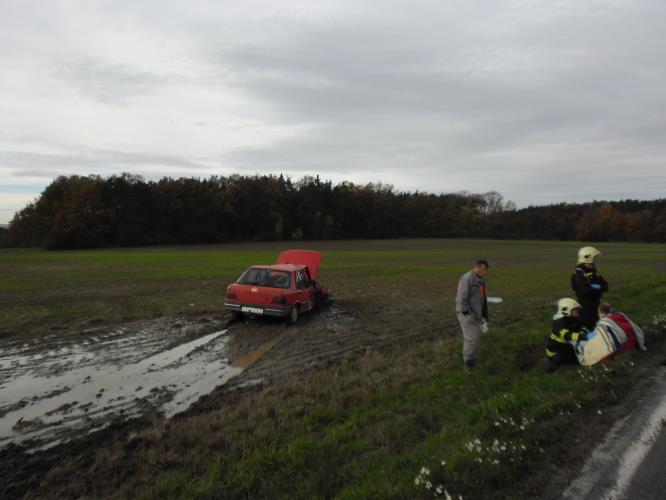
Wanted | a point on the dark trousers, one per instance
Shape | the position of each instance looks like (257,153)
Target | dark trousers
(590,313)
(563,355)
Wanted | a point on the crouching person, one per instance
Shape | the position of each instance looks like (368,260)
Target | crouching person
(566,329)
(614,333)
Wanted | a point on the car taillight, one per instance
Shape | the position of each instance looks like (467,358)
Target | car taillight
(231,294)
(279,299)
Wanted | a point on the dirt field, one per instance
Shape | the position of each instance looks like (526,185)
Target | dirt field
(61,386)
(177,375)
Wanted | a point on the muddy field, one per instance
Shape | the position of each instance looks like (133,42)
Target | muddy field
(89,388)
(62,391)
(60,387)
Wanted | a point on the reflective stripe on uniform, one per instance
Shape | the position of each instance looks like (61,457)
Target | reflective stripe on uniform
(560,337)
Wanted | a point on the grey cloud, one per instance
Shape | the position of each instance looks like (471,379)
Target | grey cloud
(108,82)
(526,98)
(382,101)
(27,163)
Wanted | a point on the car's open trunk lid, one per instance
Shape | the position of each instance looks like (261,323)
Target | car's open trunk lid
(308,258)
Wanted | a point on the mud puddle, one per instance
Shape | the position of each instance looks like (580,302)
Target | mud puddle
(57,388)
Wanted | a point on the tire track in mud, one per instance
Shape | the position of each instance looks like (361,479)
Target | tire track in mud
(63,387)
(324,338)
(88,381)
(350,326)
(47,353)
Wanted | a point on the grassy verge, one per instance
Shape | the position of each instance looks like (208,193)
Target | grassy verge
(416,425)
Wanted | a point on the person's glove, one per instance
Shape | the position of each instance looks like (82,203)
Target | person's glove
(582,336)
(485,327)
(596,286)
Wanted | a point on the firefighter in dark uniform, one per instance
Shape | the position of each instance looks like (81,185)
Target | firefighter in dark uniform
(589,286)
(566,329)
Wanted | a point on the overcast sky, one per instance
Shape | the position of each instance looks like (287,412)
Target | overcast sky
(542,101)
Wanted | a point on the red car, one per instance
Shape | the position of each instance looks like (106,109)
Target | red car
(283,290)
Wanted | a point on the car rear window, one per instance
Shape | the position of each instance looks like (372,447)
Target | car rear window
(266,277)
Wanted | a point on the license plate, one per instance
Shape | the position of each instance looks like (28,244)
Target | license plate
(253,310)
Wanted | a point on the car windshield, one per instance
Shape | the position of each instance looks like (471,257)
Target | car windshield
(266,277)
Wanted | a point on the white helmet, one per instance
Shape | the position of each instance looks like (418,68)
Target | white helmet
(586,255)
(565,306)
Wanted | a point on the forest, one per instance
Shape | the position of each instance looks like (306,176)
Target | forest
(127,210)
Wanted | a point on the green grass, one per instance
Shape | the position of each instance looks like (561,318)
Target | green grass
(366,426)
(373,441)
(365,430)
(41,291)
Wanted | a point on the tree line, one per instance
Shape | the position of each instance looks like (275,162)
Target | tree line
(127,210)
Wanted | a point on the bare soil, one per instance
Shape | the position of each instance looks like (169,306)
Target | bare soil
(57,388)
(66,394)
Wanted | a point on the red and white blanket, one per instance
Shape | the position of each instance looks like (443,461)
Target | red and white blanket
(613,334)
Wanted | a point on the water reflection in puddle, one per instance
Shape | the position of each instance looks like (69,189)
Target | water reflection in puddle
(49,397)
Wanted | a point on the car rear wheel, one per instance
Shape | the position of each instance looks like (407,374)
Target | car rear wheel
(292,317)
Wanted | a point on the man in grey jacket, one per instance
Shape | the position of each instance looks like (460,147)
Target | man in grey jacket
(472,310)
